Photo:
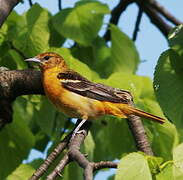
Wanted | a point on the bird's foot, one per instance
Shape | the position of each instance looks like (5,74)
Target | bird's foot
(77,131)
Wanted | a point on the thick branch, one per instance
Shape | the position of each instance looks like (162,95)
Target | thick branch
(6,7)
(14,83)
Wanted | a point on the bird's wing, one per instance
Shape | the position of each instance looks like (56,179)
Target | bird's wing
(74,82)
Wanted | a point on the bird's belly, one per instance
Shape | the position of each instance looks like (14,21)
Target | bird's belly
(70,103)
(76,106)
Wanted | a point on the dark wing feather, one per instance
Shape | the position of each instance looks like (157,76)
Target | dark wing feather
(92,90)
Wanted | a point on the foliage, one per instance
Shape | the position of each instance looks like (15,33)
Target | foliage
(37,31)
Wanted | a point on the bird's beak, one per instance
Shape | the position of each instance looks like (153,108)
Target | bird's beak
(33,60)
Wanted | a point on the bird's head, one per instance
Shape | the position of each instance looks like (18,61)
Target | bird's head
(48,60)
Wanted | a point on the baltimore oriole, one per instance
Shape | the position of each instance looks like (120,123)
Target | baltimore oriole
(80,98)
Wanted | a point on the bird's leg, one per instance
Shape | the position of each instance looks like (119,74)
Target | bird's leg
(76,130)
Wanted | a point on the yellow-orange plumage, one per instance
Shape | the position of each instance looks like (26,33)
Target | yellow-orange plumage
(77,97)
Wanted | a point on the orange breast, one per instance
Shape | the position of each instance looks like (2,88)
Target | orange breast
(70,103)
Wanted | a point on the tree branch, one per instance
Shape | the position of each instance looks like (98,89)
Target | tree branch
(59,168)
(137,24)
(6,7)
(115,15)
(30,3)
(104,164)
(74,154)
(139,134)
(162,10)
(60,5)
(49,160)
(15,83)
(155,18)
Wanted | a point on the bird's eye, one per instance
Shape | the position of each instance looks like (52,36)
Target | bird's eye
(47,57)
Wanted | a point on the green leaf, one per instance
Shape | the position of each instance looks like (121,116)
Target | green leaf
(16,141)
(15,24)
(133,166)
(44,116)
(34,37)
(13,60)
(50,122)
(81,23)
(36,163)
(111,177)
(166,173)
(56,40)
(169,88)
(7,61)
(41,141)
(154,163)
(178,162)
(112,138)
(124,56)
(176,39)
(3,32)
(72,171)
(23,172)
(95,56)
(163,137)
(173,169)
(4,48)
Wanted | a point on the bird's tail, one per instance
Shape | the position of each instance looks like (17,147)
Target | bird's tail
(123,110)
(138,112)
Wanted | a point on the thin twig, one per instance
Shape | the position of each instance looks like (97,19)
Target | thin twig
(59,168)
(115,15)
(49,160)
(60,5)
(139,134)
(104,164)
(30,3)
(137,24)
(73,153)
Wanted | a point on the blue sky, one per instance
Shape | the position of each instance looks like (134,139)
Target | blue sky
(150,42)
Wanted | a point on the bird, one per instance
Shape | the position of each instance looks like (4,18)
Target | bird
(77,97)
